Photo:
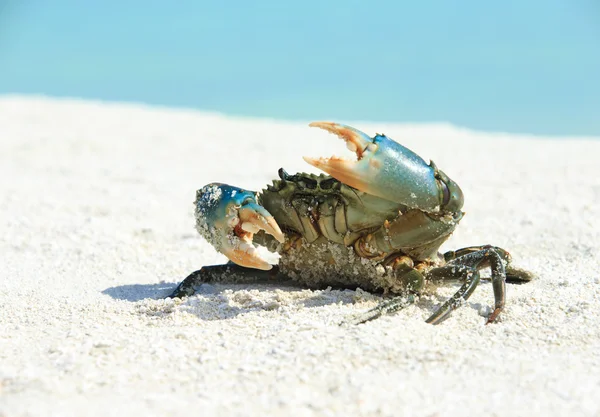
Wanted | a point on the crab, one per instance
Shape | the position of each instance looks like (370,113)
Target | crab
(375,223)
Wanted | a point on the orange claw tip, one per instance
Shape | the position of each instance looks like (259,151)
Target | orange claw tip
(322,124)
(274,230)
(343,170)
(261,219)
(310,160)
(247,257)
(356,140)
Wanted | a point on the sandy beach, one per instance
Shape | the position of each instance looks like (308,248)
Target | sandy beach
(97,227)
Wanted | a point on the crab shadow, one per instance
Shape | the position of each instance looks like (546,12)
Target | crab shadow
(139,292)
(214,301)
(222,302)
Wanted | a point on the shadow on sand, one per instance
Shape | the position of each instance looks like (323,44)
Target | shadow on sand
(138,292)
(215,305)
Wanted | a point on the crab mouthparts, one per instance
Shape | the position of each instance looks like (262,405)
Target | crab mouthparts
(343,169)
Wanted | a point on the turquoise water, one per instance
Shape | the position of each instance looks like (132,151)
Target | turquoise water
(517,66)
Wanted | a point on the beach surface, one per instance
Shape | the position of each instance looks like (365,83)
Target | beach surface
(97,227)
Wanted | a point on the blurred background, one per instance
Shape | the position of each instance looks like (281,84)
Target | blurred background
(514,66)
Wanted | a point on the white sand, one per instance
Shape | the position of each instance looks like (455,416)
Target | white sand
(97,225)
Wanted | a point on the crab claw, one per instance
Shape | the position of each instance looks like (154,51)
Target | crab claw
(228,217)
(383,168)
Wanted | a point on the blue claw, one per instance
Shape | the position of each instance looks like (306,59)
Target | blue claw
(387,169)
(228,217)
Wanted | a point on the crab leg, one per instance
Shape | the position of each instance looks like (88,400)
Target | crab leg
(228,274)
(467,267)
(513,275)
(462,264)
(472,278)
(386,307)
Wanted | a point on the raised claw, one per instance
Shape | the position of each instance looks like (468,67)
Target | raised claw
(383,168)
(228,217)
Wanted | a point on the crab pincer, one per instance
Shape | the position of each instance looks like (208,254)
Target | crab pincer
(228,217)
(384,168)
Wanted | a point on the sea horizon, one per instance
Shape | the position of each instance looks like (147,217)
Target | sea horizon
(438,124)
(516,67)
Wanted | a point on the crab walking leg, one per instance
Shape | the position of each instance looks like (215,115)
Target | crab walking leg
(386,307)
(467,267)
(229,274)
(472,278)
(513,275)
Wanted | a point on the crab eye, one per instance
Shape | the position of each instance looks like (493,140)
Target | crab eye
(283,174)
(310,183)
(328,184)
